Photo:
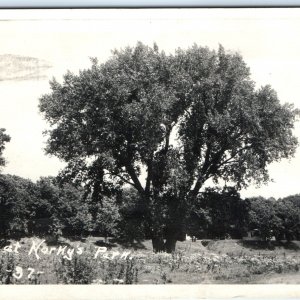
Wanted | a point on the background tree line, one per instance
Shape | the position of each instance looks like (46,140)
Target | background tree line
(49,207)
(224,214)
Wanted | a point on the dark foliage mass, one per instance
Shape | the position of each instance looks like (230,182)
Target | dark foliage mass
(40,208)
(218,214)
(279,218)
(49,209)
(224,214)
(4,138)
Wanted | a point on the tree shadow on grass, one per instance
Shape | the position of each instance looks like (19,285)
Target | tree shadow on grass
(135,245)
(57,243)
(54,241)
(4,242)
(109,244)
(75,238)
(290,245)
(271,245)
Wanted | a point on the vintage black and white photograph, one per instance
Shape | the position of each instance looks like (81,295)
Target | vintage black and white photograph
(150,146)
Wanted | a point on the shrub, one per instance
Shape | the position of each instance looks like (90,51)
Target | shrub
(79,270)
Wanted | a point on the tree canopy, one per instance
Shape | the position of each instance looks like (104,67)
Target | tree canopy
(17,196)
(176,119)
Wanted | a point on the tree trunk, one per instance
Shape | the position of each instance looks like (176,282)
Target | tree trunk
(158,244)
(170,243)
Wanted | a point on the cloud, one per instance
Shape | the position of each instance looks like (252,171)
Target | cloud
(16,67)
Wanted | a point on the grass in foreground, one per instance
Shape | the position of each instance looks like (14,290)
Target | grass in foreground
(88,262)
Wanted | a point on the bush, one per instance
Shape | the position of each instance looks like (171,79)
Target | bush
(79,270)
(83,269)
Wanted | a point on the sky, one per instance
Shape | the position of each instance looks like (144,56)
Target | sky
(39,45)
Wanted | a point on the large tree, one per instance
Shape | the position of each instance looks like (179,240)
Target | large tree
(165,124)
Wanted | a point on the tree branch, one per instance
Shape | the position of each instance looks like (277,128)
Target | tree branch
(200,179)
(168,134)
(122,178)
(233,156)
(132,174)
(149,177)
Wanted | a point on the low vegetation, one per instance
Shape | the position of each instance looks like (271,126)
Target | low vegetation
(227,261)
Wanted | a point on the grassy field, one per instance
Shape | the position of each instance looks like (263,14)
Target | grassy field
(34,261)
